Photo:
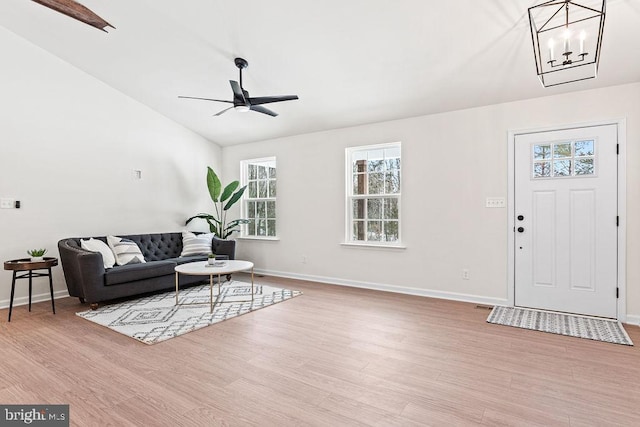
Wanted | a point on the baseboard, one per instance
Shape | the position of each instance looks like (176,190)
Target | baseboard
(45,296)
(477,299)
(633,319)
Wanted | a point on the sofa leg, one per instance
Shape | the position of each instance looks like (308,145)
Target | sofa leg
(93,305)
(81,300)
(228,277)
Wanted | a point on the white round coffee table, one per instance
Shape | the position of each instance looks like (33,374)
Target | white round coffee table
(202,268)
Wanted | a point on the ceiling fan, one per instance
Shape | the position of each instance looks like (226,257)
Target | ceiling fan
(242,102)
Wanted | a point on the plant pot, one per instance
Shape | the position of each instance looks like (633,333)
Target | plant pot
(37,259)
(211,261)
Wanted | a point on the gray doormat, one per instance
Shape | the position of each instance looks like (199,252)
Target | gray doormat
(591,328)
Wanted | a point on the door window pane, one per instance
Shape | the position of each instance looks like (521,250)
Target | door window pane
(561,150)
(584,167)
(562,168)
(584,148)
(541,169)
(541,152)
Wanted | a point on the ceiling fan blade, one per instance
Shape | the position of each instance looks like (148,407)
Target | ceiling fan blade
(237,91)
(219,113)
(269,99)
(206,99)
(263,110)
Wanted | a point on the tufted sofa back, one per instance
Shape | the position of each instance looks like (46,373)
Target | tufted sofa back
(154,247)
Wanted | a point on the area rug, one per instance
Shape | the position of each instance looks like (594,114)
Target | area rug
(560,323)
(156,318)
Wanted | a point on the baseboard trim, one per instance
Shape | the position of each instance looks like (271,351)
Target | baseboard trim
(45,296)
(477,299)
(633,319)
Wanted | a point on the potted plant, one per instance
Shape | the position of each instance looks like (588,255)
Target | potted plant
(212,259)
(37,254)
(222,201)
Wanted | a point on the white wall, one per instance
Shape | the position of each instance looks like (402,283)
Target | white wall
(68,146)
(451,162)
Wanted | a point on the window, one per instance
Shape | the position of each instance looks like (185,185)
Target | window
(564,159)
(259,200)
(373,194)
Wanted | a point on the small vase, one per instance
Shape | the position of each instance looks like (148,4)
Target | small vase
(37,259)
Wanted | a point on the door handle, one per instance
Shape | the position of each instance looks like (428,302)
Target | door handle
(520,217)
(520,229)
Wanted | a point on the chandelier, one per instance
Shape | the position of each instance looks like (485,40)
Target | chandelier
(567,38)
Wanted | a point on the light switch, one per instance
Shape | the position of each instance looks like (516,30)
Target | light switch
(7,203)
(496,202)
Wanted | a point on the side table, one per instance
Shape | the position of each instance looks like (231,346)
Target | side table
(24,269)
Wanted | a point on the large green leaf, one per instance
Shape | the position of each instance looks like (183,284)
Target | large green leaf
(237,222)
(236,196)
(201,216)
(228,190)
(214,184)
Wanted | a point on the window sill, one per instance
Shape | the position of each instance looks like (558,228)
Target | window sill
(372,246)
(269,239)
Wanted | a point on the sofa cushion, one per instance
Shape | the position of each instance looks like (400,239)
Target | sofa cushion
(95,245)
(132,272)
(186,259)
(196,244)
(126,251)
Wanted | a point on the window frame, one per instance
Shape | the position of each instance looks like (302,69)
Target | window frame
(350,197)
(244,180)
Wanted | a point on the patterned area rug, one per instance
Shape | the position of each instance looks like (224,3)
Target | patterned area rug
(156,318)
(560,323)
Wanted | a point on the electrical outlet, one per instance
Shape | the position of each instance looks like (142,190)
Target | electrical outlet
(465,273)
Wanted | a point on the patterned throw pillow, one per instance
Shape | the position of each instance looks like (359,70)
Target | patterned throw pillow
(196,244)
(125,250)
(95,245)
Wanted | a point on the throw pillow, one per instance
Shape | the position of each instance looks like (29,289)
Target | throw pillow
(196,244)
(125,250)
(95,245)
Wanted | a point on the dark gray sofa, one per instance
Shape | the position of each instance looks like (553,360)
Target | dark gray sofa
(88,280)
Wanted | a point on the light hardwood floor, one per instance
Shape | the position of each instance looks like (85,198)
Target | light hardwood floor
(334,356)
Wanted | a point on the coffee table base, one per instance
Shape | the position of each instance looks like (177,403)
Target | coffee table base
(211,303)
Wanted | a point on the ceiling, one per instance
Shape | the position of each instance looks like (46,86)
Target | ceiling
(350,62)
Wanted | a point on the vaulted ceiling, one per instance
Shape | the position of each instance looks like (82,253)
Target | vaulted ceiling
(350,62)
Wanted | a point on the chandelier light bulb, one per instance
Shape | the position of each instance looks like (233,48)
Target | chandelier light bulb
(567,41)
(551,44)
(583,35)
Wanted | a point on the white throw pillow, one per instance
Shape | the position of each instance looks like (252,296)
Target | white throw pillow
(95,245)
(125,250)
(193,244)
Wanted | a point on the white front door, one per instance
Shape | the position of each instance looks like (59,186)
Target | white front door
(566,220)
